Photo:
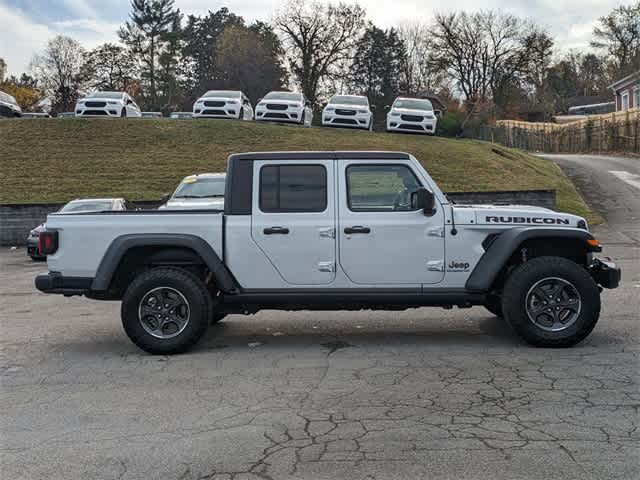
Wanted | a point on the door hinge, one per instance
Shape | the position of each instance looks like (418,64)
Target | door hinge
(327,266)
(435,266)
(327,232)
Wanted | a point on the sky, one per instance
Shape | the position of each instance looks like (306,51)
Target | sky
(28,24)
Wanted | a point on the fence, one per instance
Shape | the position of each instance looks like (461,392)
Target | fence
(612,132)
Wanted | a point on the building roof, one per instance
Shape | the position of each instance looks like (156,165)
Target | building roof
(623,81)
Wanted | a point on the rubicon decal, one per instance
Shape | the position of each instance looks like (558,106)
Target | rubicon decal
(543,220)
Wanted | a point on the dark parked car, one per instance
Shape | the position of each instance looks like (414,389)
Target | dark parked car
(74,206)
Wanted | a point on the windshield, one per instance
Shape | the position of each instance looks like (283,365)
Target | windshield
(105,95)
(87,206)
(200,188)
(413,104)
(222,93)
(295,97)
(348,100)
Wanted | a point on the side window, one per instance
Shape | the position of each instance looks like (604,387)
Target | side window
(380,188)
(293,188)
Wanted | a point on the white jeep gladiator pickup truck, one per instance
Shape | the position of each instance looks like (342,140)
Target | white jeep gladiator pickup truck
(329,231)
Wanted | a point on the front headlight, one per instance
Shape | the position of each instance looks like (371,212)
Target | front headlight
(329,109)
(363,111)
(232,102)
(394,114)
(113,102)
(200,101)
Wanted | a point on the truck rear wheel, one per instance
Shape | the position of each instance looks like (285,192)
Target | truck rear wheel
(551,302)
(166,310)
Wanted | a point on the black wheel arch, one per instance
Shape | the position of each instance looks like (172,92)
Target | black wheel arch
(128,254)
(507,249)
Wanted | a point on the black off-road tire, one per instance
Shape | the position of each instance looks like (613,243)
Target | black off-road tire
(190,286)
(123,113)
(494,305)
(523,278)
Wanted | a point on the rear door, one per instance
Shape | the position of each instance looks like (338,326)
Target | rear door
(382,238)
(294,219)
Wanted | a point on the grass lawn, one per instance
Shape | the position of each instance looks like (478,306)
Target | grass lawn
(60,159)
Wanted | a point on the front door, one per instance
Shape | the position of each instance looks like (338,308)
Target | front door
(382,238)
(294,219)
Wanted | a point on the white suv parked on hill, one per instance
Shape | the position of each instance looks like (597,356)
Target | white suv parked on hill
(348,111)
(223,104)
(284,107)
(411,115)
(107,104)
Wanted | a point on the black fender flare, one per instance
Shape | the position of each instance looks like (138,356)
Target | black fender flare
(501,249)
(120,245)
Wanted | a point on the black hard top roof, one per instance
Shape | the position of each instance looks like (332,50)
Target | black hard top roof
(320,155)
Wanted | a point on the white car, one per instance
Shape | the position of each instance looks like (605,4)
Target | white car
(223,104)
(8,106)
(107,105)
(348,111)
(197,192)
(412,115)
(285,107)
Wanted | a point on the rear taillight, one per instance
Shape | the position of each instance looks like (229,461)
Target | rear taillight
(48,242)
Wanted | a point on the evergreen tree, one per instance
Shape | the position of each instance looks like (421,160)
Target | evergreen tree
(377,66)
(148,35)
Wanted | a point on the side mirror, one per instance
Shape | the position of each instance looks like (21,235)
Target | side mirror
(129,102)
(165,198)
(423,199)
(387,107)
(372,107)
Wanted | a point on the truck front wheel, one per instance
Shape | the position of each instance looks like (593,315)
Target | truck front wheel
(551,302)
(166,310)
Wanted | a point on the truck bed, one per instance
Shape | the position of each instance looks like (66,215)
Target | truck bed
(84,238)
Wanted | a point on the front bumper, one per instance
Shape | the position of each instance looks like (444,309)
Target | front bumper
(211,112)
(99,112)
(54,282)
(291,115)
(605,273)
(332,119)
(397,124)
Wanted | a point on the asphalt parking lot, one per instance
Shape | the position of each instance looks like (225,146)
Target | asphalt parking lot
(426,393)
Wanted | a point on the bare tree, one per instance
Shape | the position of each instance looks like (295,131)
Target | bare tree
(317,37)
(484,52)
(110,67)
(421,71)
(618,33)
(58,70)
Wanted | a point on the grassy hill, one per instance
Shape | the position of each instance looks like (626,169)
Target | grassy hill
(56,160)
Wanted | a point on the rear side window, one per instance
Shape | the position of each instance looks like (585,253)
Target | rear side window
(293,188)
